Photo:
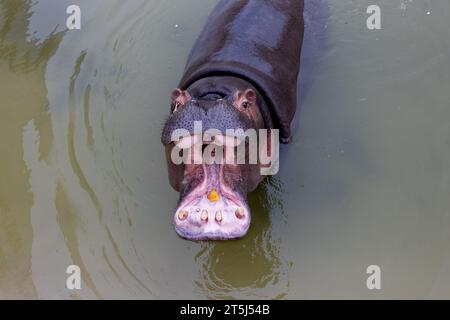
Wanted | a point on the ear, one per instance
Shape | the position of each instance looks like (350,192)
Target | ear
(179,98)
(245,100)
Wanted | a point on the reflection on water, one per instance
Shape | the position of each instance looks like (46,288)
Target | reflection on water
(83,177)
(250,267)
(23,98)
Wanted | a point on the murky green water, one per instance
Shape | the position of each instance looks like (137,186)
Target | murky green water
(83,178)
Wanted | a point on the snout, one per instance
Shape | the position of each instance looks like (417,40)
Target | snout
(219,117)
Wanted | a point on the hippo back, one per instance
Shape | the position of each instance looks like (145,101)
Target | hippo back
(258,41)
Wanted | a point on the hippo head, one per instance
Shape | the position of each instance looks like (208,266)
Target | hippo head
(209,155)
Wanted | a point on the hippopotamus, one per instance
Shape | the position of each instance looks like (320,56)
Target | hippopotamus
(241,74)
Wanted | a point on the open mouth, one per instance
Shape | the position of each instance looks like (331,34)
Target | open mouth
(212,209)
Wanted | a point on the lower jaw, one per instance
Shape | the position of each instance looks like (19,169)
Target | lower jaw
(210,213)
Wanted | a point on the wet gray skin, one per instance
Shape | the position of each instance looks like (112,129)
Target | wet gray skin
(220,115)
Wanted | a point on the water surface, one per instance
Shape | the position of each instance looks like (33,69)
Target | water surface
(83,177)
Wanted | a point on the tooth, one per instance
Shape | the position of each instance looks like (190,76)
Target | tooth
(239,213)
(182,215)
(218,215)
(204,215)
